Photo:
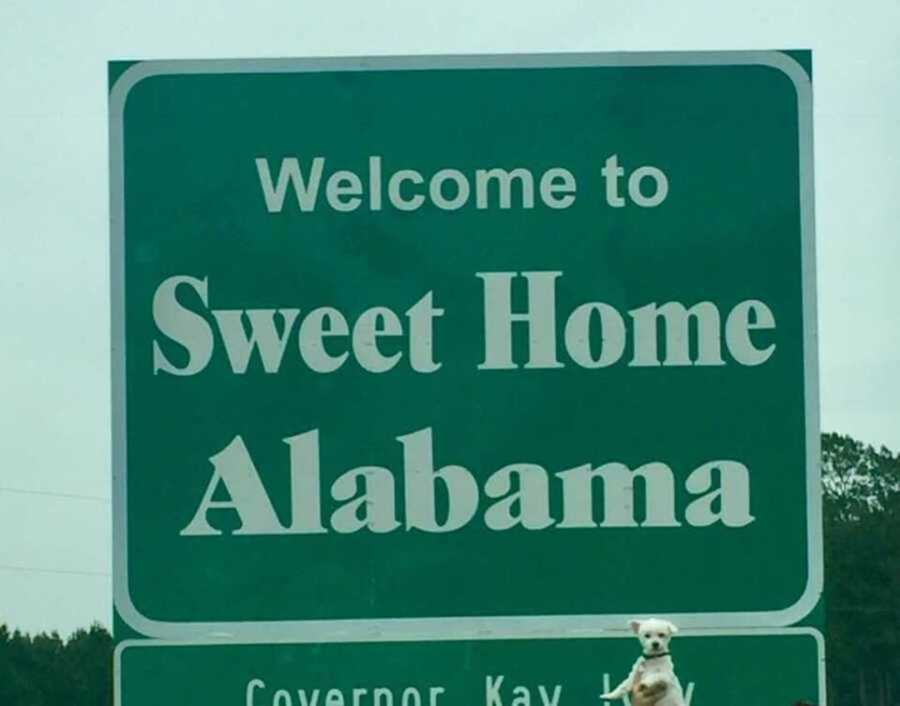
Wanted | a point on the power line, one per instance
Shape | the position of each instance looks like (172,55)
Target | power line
(52,494)
(37,570)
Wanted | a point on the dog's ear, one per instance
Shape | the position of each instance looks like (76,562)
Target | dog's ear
(635,626)
(673,629)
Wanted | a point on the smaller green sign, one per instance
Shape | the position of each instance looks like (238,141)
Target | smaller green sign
(751,668)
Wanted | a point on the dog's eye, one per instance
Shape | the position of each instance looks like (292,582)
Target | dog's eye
(647,635)
(662,634)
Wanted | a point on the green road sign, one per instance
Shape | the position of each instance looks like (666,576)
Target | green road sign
(755,669)
(450,347)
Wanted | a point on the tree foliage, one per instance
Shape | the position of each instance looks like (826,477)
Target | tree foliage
(45,670)
(861,513)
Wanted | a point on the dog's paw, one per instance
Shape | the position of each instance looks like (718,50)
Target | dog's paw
(608,697)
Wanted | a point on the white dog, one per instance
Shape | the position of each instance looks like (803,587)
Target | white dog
(652,681)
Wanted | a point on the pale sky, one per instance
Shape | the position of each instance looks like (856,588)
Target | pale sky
(54,290)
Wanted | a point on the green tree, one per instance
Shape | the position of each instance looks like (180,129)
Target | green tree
(88,660)
(861,506)
(45,670)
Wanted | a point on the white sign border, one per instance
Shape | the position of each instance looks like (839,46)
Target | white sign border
(492,627)
(622,635)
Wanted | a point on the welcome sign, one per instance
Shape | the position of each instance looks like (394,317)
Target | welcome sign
(463,346)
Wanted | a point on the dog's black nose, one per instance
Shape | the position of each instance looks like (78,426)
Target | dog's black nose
(655,645)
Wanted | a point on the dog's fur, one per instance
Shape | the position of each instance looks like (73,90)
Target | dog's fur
(652,681)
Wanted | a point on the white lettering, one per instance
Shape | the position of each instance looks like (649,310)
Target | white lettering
(436,189)
(732,495)
(340,185)
(504,179)
(234,470)
(558,188)
(737,332)
(252,686)
(519,494)
(540,319)
(263,336)
(183,326)
(373,324)
(420,478)
(290,175)
(530,501)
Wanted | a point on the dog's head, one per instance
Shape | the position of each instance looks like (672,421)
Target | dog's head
(654,635)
